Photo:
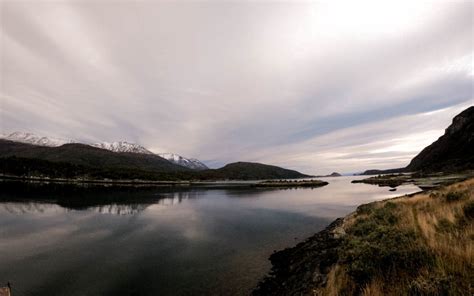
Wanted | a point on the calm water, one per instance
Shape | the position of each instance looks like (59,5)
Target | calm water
(158,241)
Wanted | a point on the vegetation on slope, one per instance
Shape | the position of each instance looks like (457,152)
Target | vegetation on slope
(250,171)
(82,161)
(420,245)
(87,156)
(38,168)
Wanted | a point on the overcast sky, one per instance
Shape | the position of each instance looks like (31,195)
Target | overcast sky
(316,87)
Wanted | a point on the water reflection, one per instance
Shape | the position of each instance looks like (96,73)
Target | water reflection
(159,241)
(21,198)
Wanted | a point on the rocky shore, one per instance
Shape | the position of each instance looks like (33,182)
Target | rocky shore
(301,269)
(386,248)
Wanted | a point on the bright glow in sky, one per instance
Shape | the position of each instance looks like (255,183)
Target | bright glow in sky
(319,87)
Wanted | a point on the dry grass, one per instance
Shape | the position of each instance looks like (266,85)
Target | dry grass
(442,227)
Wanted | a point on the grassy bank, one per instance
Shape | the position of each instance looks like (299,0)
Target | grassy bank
(417,245)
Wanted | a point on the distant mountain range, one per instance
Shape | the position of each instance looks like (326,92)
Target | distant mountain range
(121,146)
(191,163)
(453,151)
(33,139)
(119,162)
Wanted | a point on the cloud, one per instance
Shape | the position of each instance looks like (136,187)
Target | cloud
(313,86)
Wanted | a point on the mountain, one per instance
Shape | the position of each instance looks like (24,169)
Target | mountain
(191,163)
(88,156)
(122,146)
(453,151)
(33,139)
(80,160)
(250,171)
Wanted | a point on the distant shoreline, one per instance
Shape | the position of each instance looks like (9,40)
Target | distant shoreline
(283,183)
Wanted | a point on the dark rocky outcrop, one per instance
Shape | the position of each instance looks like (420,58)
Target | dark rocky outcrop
(298,270)
(452,151)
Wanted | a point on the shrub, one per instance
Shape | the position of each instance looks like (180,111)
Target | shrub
(454,196)
(444,225)
(365,209)
(383,250)
(375,246)
(468,210)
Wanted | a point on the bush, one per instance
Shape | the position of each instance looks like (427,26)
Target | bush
(382,251)
(468,210)
(374,246)
(365,209)
(455,196)
(444,225)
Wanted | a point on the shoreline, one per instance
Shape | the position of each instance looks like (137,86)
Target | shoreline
(275,183)
(309,267)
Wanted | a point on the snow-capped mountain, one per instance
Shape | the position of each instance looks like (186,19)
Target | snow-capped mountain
(122,146)
(191,163)
(33,139)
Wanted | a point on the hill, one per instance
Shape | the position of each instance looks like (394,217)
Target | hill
(118,146)
(88,156)
(379,172)
(84,161)
(410,245)
(451,152)
(250,171)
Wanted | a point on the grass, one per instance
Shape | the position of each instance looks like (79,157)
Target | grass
(420,245)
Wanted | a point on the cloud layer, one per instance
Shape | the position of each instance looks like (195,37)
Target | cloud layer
(316,87)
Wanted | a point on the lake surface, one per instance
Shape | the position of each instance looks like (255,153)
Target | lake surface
(190,241)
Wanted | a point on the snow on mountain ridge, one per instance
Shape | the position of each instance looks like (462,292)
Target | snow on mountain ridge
(122,146)
(33,139)
(191,163)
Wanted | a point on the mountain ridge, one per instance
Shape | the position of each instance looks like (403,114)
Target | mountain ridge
(191,163)
(450,152)
(78,161)
(122,146)
(117,146)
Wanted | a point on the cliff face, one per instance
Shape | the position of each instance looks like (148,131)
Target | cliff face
(452,151)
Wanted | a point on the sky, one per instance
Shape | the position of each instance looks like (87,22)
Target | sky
(313,86)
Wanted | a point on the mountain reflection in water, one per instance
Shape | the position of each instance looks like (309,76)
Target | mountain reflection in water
(70,240)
